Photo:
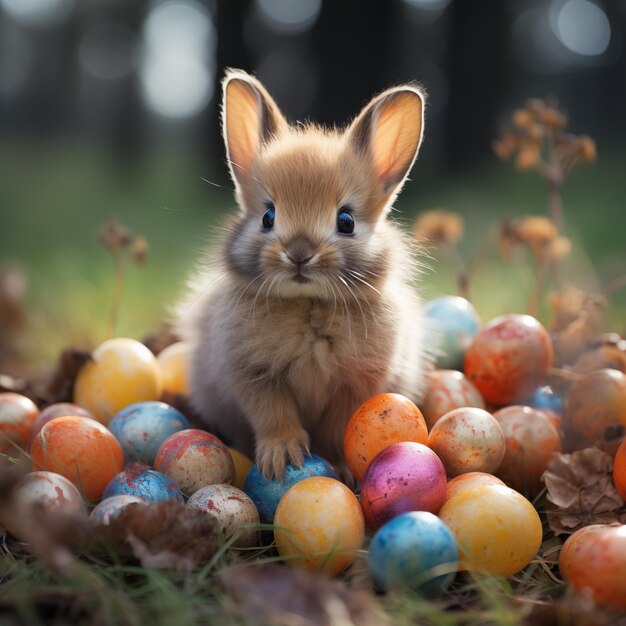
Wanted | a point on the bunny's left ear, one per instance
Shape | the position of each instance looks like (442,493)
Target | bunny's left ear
(389,131)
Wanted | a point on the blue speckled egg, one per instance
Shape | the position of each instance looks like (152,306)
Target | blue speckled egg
(142,427)
(145,483)
(266,494)
(545,398)
(111,507)
(455,323)
(414,551)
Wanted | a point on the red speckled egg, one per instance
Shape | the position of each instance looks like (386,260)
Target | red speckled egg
(593,562)
(448,390)
(17,416)
(50,491)
(194,459)
(379,422)
(531,440)
(406,476)
(467,440)
(595,402)
(509,358)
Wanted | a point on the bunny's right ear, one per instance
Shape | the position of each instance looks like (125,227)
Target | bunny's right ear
(250,117)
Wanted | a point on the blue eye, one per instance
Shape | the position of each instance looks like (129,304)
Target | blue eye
(345,222)
(268,217)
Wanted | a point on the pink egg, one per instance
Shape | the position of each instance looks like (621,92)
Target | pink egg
(448,390)
(60,409)
(194,459)
(467,440)
(406,476)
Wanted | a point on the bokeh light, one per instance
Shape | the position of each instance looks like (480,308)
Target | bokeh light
(583,27)
(106,51)
(16,59)
(38,13)
(289,17)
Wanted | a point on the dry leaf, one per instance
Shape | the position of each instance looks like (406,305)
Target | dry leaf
(61,385)
(299,597)
(581,491)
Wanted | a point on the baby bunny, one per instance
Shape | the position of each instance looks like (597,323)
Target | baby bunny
(310,309)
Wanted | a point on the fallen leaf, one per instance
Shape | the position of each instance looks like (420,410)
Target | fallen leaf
(60,388)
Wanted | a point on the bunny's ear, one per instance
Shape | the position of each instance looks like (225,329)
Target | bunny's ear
(389,132)
(249,118)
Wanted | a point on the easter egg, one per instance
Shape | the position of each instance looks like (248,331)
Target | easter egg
(193,459)
(142,427)
(411,551)
(319,525)
(448,390)
(594,402)
(174,367)
(110,508)
(509,357)
(266,493)
(545,398)
(471,479)
(497,530)
(383,420)
(232,509)
(531,440)
(122,371)
(144,483)
(82,450)
(455,323)
(242,466)
(593,563)
(50,491)
(60,409)
(406,476)
(619,469)
(17,417)
(467,440)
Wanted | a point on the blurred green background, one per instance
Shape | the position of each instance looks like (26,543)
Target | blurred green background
(109,110)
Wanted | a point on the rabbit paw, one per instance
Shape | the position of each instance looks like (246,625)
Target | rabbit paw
(273,453)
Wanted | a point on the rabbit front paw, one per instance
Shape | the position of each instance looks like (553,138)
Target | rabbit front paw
(274,453)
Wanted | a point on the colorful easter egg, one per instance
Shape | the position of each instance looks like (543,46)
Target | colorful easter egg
(467,440)
(593,563)
(82,450)
(497,530)
(60,409)
(142,427)
(455,323)
(110,508)
(319,525)
(17,417)
(531,440)
(545,397)
(267,493)
(406,476)
(379,422)
(619,469)
(232,509)
(448,390)
(509,358)
(144,483)
(122,371)
(594,402)
(193,459)
(242,466)
(415,551)
(471,479)
(50,491)
(174,367)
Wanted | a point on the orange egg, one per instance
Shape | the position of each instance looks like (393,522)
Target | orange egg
(17,416)
(242,467)
(593,562)
(619,469)
(82,450)
(319,525)
(174,367)
(379,422)
(531,440)
(122,372)
(471,479)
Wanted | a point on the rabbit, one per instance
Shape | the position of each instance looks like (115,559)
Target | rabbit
(310,308)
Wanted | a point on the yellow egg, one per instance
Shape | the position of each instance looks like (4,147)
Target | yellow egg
(174,365)
(123,371)
(242,467)
(319,525)
(498,531)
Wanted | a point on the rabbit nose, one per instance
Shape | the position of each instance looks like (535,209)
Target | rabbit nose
(300,251)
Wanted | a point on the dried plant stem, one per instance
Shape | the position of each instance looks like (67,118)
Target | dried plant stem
(565,374)
(555,203)
(615,285)
(456,262)
(117,293)
(539,287)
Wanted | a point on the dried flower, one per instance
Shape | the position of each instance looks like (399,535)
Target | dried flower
(587,147)
(537,230)
(558,248)
(114,236)
(140,250)
(553,118)
(536,106)
(526,159)
(522,118)
(439,226)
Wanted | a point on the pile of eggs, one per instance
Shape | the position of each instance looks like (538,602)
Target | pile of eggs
(442,488)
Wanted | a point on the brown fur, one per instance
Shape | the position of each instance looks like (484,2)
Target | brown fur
(278,365)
